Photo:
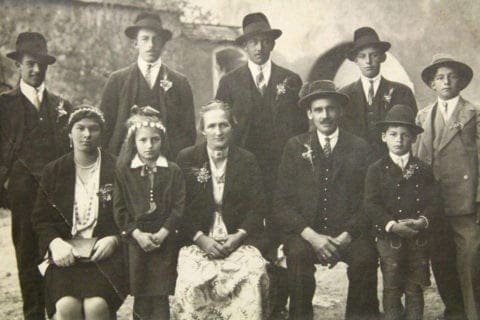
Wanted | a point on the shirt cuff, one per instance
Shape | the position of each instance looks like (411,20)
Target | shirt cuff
(242,231)
(390,225)
(197,235)
(426,220)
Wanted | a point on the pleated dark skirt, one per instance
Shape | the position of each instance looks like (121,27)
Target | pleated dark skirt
(82,280)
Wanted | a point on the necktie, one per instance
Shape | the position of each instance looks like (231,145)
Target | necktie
(371,94)
(401,163)
(327,148)
(444,111)
(148,75)
(36,99)
(261,82)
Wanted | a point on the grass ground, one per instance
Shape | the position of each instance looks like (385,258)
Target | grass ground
(329,300)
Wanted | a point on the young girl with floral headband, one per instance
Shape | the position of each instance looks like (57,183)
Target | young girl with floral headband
(149,199)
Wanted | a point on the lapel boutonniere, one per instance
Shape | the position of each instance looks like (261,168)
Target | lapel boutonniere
(165,83)
(387,97)
(410,171)
(202,174)
(458,126)
(105,193)
(287,84)
(60,108)
(309,154)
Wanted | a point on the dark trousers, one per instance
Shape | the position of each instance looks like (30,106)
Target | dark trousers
(405,269)
(151,308)
(361,257)
(443,258)
(22,193)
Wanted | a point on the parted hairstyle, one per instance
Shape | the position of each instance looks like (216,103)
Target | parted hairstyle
(217,105)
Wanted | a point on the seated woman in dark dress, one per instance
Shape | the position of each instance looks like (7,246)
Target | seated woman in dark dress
(74,202)
(222,274)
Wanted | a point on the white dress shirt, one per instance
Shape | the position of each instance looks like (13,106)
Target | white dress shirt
(366,84)
(34,95)
(333,139)
(400,161)
(266,68)
(138,163)
(451,106)
(154,70)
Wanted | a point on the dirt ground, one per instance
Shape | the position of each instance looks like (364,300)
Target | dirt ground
(329,300)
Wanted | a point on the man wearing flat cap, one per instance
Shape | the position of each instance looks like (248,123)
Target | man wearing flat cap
(451,145)
(372,95)
(263,97)
(318,206)
(32,133)
(149,82)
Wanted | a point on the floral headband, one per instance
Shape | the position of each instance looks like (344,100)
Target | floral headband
(147,124)
(136,122)
(86,109)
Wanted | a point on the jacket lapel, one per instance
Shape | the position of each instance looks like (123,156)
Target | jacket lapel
(106,174)
(339,154)
(271,93)
(163,74)
(427,135)
(231,171)
(361,94)
(201,159)
(460,117)
(66,197)
(18,121)
(130,89)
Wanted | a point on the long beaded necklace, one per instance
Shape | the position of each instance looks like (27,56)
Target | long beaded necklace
(88,218)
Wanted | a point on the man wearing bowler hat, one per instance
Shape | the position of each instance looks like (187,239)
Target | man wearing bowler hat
(149,82)
(372,95)
(318,206)
(263,97)
(32,133)
(451,145)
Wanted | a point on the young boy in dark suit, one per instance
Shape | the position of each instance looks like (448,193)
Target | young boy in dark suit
(401,201)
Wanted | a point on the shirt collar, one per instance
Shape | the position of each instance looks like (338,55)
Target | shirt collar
(333,136)
(137,162)
(217,154)
(29,91)
(400,159)
(255,68)
(366,81)
(143,65)
(451,102)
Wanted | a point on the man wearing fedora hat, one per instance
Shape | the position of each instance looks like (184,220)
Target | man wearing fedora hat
(263,97)
(149,82)
(318,206)
(372,95)
(451,145)
(32,133)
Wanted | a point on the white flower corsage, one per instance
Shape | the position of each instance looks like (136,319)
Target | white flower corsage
(387,98)
(165,83)
(61,112)
(408,172)
(202,174)
(105,193)
(309,155)
(458,126)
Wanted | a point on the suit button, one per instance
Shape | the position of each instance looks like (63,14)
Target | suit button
(325,219)
(416,186)
(325,199)
(326,189)
(418,211)
(326,179)
(124,233)
(398,185)
(398,198)
(400,211)
(465,177)
(41,118)
(324,209)
(326,170)
(418,199)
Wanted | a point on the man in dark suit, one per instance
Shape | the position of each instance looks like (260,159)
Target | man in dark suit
(32,133)
(318,206)
(264,99)
(149,82)
(372,95)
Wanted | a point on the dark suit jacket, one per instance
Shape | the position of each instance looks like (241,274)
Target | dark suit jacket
(298,200)
(176,106)
(53,213)
(243,196)
(12,122)
(238,88)
(360,119)
(390,196)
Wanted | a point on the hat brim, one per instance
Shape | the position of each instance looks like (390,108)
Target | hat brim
(384,45)
(132,31)
(305,101)
(274,33)
(17,56)
(464,71)
(383,124)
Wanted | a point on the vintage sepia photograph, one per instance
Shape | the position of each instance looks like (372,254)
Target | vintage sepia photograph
(239,160)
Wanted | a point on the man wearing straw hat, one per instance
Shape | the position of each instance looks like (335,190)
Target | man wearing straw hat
(451,145)
(318,206)
(32,133)
(149,82)
(263,97)
(372,95)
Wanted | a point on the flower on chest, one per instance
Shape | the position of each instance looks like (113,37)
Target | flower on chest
(105,194)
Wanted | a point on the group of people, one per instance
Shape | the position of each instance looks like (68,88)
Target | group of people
(119,200)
